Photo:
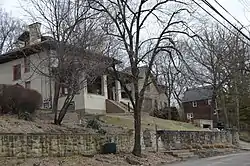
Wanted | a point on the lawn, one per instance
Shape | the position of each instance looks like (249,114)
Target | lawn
(148,122)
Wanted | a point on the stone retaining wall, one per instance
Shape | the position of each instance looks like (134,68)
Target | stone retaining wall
(180,139)
(59,145)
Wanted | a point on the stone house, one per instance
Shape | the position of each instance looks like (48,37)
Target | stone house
(102,96)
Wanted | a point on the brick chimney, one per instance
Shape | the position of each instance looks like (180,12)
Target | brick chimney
(35,33)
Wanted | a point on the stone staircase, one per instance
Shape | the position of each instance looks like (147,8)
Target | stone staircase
(116,107)
(126,106)
(182,154)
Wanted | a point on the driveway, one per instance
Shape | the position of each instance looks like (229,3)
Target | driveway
(239,159)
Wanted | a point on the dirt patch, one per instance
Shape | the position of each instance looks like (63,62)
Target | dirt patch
(148,159)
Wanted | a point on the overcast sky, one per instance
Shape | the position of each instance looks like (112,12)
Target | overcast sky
(238,8)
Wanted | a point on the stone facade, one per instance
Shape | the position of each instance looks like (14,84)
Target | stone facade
(60,145)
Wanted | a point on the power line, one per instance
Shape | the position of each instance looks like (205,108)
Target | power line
(215,10)
(245,5)
(230,14)
(219,21)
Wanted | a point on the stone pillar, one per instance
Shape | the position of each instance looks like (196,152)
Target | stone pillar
(235,137)
(105,86)
(118,91)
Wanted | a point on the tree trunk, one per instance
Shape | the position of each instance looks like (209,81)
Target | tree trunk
(137,138)
(225,110)
(64,109)
(55,101)
(169,109)
(237,102)
(137,122)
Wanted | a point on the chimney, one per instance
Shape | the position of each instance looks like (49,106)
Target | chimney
(35,33)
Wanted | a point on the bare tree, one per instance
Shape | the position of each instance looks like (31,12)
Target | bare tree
(214,61)
(173,74)
(77,40)
(131,20)
(10,27)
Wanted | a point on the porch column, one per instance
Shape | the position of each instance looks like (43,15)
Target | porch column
(83,92)
(118,90)
(104,86)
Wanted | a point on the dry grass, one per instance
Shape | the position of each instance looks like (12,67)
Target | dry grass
(148,122)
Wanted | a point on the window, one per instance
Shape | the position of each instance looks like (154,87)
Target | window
(27,84)
(95,86)
(190,115)
(27,64)
(209,102)
(17,72)
(194,103)
(64,91)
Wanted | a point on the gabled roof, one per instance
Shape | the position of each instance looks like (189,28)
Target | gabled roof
(199,93)
(160,88)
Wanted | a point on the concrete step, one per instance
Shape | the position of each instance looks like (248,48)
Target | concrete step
(190,157)
(177,151)
(183,154)
(186,154)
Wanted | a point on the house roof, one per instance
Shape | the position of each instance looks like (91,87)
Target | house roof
(46,43)
(24,51)
(199,93)
(160,88)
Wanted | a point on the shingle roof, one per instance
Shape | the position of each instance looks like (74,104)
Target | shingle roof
(196,94)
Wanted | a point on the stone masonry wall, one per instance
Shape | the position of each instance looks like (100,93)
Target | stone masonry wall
(60,145)
(180,139)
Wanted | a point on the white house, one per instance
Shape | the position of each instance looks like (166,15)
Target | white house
(21,66)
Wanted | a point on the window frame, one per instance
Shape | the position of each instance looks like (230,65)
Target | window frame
(17,72)
(26,64)
(190,115)
(194,104)
(209,101)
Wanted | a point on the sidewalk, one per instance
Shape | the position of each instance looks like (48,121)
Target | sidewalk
(244,145)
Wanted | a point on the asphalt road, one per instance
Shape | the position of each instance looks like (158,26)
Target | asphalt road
(239,159)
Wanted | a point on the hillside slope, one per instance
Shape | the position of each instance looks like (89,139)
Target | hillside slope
(148,122)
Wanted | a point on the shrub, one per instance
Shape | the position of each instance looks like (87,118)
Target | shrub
(18,100)
(94,124)
(29,101)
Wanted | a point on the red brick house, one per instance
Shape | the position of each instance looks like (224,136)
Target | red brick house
(197,104)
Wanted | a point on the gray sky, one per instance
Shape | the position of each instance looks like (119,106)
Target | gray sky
(238,8)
